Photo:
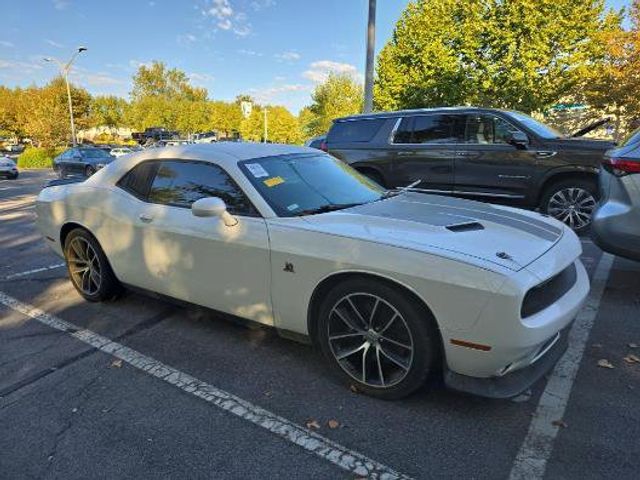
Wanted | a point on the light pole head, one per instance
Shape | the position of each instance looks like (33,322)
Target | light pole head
(82,49)
(47,59)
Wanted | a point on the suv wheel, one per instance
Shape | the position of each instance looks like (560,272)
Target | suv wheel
(376,338)
(572,202)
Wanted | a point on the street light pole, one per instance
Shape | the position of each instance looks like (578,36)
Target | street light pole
(371,39)
(64,71)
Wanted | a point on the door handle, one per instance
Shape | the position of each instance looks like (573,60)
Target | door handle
(145,218)
(545,153)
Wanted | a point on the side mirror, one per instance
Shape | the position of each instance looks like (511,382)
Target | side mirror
(518,139)
(213,207)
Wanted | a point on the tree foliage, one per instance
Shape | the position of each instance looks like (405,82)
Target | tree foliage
(338,96)
(521,54)
(282,126)
(109,111)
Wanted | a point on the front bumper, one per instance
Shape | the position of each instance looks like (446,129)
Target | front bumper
(513,383)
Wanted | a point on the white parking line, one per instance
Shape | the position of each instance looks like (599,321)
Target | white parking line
(35,270)
(531,461)
(310,441)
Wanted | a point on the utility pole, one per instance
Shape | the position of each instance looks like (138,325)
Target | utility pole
(371,40)
(264,110)
(64,71)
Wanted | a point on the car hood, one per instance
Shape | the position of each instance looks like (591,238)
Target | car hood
(501,236)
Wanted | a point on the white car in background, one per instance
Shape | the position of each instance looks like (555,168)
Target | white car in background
(392,286)
(120,151)
(8,168)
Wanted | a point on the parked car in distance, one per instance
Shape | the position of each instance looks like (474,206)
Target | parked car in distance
(391,286)
(81,161)
(119,151)
(616,221)
(486,154)
(318,142)
(8,168)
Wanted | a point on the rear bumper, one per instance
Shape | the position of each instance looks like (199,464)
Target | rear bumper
(514,383)
(616,229)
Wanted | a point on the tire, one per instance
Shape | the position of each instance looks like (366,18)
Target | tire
(572,202)
(100,283)
(412,328)
(89,170)
(373,175)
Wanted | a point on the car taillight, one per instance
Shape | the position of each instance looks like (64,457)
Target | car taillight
(620,166)
(323,146)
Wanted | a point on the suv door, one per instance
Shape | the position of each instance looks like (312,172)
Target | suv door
(423,148)
(201,260)
(487,165)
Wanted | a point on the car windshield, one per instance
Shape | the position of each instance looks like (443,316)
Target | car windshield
(95,153)
(305,184)
(539,128)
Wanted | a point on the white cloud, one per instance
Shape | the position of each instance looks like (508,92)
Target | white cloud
(249,53)
(18,66)
(135,64)
(258,5)
(186,39)
(320,70)
(287,56)
(200,78)
(271,94)
(60,4)
(227,18)
(53,43)
(4,43)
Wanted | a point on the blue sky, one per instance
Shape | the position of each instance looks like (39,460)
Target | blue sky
(275,50)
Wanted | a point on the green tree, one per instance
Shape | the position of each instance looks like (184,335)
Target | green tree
(109,111)
(282,126)
(9,105)
(160,81)
(43,112)
(336,97)
(522,54)
(225,117)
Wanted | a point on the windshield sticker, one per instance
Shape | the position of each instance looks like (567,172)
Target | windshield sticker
(273,181)
(257,170)
(293,206)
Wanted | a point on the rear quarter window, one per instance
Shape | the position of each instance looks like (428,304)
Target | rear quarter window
(355,130)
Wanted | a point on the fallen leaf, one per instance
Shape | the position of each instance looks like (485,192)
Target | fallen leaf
(354,389)
(313,425)
(333,424)
(117,363)
(604,363)
(633,345)
(74,410)
(559,423)
(631,358)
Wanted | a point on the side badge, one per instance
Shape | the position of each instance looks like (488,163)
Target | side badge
(288,267)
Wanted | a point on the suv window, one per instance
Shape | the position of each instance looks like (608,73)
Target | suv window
(355,130)
(180,183)
(437,129)
(487,129)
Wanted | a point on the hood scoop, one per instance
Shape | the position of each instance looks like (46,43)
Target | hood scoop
(465,227)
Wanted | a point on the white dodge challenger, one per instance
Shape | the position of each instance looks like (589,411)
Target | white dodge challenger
(392,286)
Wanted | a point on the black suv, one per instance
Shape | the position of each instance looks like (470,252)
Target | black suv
(488,154)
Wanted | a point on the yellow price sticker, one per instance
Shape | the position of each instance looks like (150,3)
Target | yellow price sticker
(273,181)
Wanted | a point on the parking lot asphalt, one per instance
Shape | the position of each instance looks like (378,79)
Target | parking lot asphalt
(71,410)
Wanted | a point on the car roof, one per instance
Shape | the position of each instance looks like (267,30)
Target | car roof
(223,153)
(402,113)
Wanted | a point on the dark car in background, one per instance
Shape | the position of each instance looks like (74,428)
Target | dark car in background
(318,142)
(81,161)
(493,155)
(616,221)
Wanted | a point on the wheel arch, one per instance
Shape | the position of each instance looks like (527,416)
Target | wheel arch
(68,227)
(328,282)
(560,175)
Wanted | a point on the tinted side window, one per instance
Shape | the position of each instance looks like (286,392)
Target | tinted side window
(433,129)
(138,180)
(182,183)
(487,129)
(403,133)
(355,130)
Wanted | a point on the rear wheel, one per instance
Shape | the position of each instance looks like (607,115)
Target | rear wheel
(572,202)
(377,338)
(89,268)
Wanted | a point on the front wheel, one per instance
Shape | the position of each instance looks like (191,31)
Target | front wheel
(89,268)
(377,338)
(572,202)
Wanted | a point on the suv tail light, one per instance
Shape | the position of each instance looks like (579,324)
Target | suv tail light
(620,166)
(323,146)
